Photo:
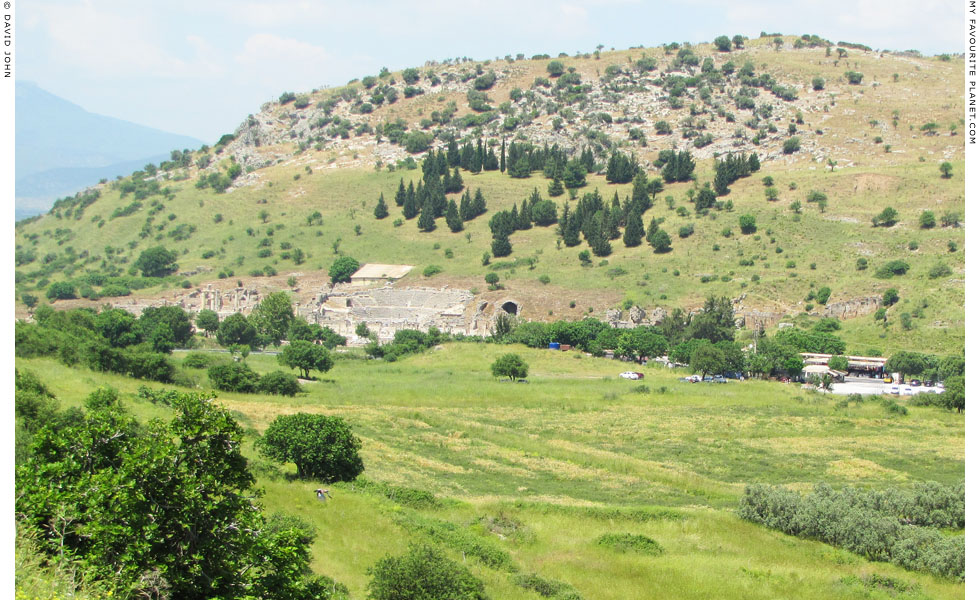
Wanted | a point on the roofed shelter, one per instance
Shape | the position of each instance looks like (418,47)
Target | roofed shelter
(373,273)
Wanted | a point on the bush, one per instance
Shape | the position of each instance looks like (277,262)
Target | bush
(868,523)
(892,268)
(861,264)
(886,218)
(157,262)
(233,377)
(890,297)
(939,270)
(548,588)
(198,360)
(322,447)
(423,572)
(791,145)
(747,224)
(61,290)
(280,383)
(627,542)
(431,270)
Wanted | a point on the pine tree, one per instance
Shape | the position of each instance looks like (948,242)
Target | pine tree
(754,162)
(524,217)
(641,195)
(610,222)
(500,247)
(652,229)
(437,197)
(555,188)
(600,240)
(400,194)
(457,182)
(633,235)
(570,234)
(410,209)
(452,153)
(466,156)
(465,206)
(490,160)
(453,220)
(426,220)
(479,203)
(381,210)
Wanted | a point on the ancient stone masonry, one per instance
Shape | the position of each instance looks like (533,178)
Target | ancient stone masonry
(387,309)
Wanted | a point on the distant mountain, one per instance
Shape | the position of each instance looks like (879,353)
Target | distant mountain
(62,148)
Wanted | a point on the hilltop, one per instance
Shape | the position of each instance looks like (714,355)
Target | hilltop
(840,131)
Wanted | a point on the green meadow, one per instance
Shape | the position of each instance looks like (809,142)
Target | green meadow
(519,481)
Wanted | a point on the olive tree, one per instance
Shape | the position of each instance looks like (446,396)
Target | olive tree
(306,356)
(509,365)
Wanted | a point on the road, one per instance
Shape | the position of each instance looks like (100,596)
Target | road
(867,386)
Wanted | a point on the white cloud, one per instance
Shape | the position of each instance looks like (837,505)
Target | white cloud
(269,58)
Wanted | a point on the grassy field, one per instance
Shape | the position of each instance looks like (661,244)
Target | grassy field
(534,474)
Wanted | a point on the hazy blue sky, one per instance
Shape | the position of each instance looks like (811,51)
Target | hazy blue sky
(198,67)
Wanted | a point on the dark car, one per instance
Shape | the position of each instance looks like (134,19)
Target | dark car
(915,382)
(927,383)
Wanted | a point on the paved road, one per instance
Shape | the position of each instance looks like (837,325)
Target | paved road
(865,386)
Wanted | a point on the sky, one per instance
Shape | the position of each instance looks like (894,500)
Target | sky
(199,67)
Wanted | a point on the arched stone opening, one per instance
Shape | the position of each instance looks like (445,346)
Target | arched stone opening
(510,307)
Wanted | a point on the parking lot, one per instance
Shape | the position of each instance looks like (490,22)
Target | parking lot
(867,386)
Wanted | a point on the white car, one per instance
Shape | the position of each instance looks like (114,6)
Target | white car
(629,375)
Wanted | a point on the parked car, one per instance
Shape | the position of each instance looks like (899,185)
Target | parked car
(628,375)
(927,383)
(887,379)
(694,378)
(915,383)
(720,379)
(941,385)
(709,378)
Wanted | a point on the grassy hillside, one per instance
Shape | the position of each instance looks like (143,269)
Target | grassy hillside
(532,475)
(789,255)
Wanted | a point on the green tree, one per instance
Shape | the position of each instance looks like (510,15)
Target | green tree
(381,210)
(343,268)
(947,169)
(927,220)
(323,448)
(493,280)
(555,68)
(279,383)
(890,297)
(954,397)
(823,294)
(509,365)
(233,377)
(61,290)
(661,241)
(838,363)
(207,321)
(306,356)
(426,221)
(633,235)
(172,318)
(423,572)
(235,329)
(273,316)
(707,359)
(362,330)
(791,145)
(723,43)
(886,218)
(169,497)
(747,224)
(157,262)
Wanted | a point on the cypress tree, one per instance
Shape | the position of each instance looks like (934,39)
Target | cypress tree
(500,247)
(437,197)
(754,162)
(452,153)
(410,209)
(570,235)
(479,203)
(633,235)
(503,156)
(442,165)
(610,222)
(600,240)
(524,217)
(555,188)
(652,230)
(465,206)
(453,220)
(515,216)
(381,210)
(641,196)
(400,194)
(490,160)
(426,220)
(457,181)
(466,156)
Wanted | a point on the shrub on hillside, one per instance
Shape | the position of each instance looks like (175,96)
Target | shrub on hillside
(423,572)
(233,377)
(323,448)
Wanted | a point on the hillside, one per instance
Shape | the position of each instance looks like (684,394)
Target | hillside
(62,148)
(874,136)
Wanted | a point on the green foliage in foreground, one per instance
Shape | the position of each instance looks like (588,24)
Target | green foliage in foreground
(883,526)
(159,508)
(628,542)
(423,572)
